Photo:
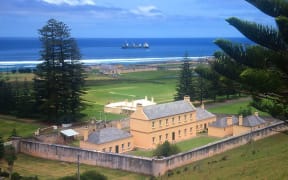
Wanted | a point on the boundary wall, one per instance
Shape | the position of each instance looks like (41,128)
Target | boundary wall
(148,166)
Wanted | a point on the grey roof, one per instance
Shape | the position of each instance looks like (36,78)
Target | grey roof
(107,135)
(253,120)
(222,123)
(202,114)
(168,109)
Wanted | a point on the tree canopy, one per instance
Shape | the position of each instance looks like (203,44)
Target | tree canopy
(185,86)
(59,80)
(261,68)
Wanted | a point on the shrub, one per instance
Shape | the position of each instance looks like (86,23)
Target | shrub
(166,149)
(170,173)
(88,175)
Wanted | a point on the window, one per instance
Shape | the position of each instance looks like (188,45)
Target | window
(173,120)
(191,130)
(160,137)
(166,136)
(166,122)
(197,127)
(179,133)
(153,124)
(191,116)
(185,117)
(128,144)
(153,140)
(122,146)
(179,119)
(110,149)
(160,123)
(185,132)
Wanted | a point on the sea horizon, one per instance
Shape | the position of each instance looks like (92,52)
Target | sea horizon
(25,51)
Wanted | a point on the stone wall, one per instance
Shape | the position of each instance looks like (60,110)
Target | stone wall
(143,165)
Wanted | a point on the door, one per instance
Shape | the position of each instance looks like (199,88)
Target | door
(117,149)
(173,136)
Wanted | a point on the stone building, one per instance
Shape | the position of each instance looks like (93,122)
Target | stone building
(232,126)
(249,123)
(173,121)
(108,140)
(222,127)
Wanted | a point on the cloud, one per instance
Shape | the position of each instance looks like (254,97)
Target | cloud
(147,11)
(71,2)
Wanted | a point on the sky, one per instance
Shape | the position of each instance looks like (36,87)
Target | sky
(128,18)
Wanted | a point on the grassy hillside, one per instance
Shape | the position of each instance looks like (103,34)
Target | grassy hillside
(264,159)
(51,170)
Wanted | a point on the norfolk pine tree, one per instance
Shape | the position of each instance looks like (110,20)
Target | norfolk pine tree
(185,86)
(262,69)
(59,80)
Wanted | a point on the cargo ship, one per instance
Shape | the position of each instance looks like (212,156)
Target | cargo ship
(134,46)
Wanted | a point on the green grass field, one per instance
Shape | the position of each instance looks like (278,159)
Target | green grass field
(24,129)
(234,108)
(183,146)
(159,84)
(263,159)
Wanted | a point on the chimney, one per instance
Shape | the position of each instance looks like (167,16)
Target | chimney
(85,134)
(240,120)
(139,107)
(187,98)
(229,121)
(119,126)
(202,106)
(256,114)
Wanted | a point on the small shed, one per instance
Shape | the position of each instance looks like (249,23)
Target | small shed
(69,134)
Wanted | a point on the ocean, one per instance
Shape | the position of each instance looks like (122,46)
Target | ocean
(25,51)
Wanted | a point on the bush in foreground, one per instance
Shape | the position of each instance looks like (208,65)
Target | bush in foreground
(166,149)
(88,175)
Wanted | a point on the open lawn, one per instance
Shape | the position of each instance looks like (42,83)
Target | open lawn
(159,84)
(183,146)
(233,108)
(263,159)
(48,169)
(24,129)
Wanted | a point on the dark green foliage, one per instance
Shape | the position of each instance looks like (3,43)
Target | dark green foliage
(2,150)
(92,175)
(59,79)
(17,176)
(261,70)
(7,98)
(217,86)
(10,157)
(245,111)
(185,86)
(166,149)
(88,175)
(14,133)
(25,102)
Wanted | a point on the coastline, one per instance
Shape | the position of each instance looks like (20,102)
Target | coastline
(88,62)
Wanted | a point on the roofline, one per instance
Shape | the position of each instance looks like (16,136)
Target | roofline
(108,141)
